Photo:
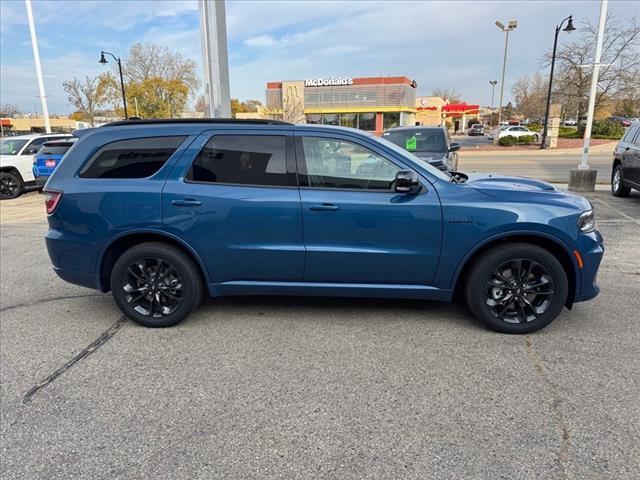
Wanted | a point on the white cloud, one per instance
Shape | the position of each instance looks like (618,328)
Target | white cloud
(261,41)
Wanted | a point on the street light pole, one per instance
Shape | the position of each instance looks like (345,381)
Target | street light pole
(117,59)
(493,91)
(36,58)
(569,28)
(512,25)
(584,162)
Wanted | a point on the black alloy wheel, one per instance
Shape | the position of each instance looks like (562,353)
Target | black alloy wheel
(516,287)
(519,291)
(152,287)
(10,185)
(156,284)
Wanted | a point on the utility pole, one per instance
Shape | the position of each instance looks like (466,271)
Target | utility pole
(36,58)
(584,179)
(215,63)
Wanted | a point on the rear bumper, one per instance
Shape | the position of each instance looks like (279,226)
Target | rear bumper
(77,278)
(72,261)
(40,181)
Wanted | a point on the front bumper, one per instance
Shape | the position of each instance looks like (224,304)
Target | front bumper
(591,249)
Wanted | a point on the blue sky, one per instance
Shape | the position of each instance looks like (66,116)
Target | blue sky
(451,44)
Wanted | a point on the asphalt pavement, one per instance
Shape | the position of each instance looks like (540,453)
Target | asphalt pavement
(314,388)
(552,166)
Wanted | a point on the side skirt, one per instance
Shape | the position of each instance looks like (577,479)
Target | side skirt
(420,292)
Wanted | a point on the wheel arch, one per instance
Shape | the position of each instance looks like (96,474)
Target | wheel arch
(555,246)
(13,170)
(125,241)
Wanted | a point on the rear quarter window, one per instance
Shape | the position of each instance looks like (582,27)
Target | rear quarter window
(133,158)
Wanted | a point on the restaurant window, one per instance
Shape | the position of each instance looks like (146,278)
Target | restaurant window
(348,120)
(391,120)
(331,119)
(367,121)
(314,119)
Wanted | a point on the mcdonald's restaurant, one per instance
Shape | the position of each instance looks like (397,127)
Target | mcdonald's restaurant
(369,103)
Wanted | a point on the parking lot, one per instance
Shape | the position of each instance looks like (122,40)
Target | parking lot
(315,388)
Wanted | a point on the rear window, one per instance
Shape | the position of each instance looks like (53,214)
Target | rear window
(418,140)
(242,159)
(54,149)
(135,158)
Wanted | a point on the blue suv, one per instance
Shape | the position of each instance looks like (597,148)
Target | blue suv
(159,212)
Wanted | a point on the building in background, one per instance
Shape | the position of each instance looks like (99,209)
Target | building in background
(438,111)
(369,103)
(18,126)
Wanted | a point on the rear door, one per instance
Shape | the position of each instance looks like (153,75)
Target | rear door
(356,228)
(235,200)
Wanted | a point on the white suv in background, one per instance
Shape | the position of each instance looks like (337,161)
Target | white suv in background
(16,161)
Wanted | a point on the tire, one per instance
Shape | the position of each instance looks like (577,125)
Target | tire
(156,267)
(487,293)
(618,189)
(10,185)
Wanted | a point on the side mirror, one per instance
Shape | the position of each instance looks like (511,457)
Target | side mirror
(407,182)
(454,147)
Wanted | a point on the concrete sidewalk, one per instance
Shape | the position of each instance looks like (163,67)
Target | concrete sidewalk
(510,152)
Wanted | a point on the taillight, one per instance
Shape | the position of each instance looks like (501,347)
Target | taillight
(51,200)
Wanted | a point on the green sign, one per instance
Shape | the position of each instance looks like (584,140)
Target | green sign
(411,143)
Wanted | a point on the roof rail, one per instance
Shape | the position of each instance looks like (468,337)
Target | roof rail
(161,121)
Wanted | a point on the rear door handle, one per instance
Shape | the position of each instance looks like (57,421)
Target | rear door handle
(186,202)
(325,206)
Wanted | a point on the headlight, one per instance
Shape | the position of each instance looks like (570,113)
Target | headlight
(587,222)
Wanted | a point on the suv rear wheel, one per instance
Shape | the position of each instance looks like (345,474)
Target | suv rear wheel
(156,285)
(618,188)
(516,288)
(10,185)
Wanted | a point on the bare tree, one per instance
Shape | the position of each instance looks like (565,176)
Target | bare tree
(85,97)
(530,94)
(8,110)
(447,93)
(619,75)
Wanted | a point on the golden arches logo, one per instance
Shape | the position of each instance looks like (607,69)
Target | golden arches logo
(292,92)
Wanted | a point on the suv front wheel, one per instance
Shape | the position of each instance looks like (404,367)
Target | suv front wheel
(516,288)
(155,284)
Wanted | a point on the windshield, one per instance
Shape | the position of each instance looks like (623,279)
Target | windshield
(10,146)
(418,140)
(424,164)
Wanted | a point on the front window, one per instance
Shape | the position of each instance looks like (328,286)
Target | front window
(418,140)
(10,146)
(331,163)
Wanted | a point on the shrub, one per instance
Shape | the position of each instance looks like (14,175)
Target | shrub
(569,132)
(526,139)
(607,129)
(508,141)
(536,127)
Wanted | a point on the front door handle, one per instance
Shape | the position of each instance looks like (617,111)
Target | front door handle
(325,206)
(186,202)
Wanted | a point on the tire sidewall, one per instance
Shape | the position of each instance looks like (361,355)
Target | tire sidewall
(179,261)
(482,271)
(621,191)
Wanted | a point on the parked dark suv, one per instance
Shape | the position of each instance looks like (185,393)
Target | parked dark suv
(431,144)
(160,212)
(625,173)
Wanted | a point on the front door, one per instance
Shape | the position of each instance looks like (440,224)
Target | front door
(356,228)
(232,198)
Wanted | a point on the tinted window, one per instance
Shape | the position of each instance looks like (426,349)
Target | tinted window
(54,149)
(628,137)
(135,158)
(418,140)
(244,159)
(340,164)
(9,146)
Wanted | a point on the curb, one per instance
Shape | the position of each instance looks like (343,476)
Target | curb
(606,147)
